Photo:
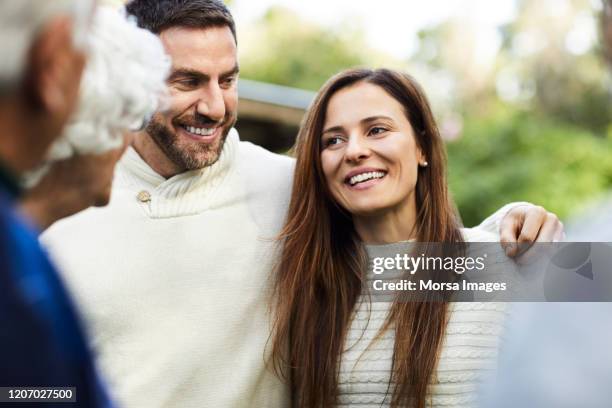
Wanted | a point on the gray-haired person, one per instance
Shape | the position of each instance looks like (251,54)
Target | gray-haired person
(42,343)
(56,117)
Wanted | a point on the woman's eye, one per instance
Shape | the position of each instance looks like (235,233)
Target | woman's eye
(376,130)
(330,141)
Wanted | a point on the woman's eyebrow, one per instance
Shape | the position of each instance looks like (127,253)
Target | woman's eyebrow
(375,118)
(333,129)
(364,121)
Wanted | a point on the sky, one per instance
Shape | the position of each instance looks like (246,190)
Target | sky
(391,25)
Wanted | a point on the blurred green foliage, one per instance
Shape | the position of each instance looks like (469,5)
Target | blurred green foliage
(287,50)
(514,155)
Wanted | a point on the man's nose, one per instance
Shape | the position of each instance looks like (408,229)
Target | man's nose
(357,149)
(211,103)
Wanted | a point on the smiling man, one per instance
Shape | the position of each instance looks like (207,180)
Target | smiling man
(191,134)
(173,276)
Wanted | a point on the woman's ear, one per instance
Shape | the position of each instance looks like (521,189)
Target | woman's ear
(421,158)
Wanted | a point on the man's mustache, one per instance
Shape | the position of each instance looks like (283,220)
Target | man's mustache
(200,121)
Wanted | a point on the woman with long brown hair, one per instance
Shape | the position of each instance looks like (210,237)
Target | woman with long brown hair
(371,171)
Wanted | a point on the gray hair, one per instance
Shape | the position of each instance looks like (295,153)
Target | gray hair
(123,84)
(20,23)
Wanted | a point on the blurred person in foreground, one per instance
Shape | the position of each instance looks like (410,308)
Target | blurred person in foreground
(173,275)
(41,341)
(554,355)
(558,355)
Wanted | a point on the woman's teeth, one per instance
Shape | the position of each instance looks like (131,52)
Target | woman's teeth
(365,177)
(200,131)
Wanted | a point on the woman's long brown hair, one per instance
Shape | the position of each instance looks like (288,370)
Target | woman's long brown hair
(320,271)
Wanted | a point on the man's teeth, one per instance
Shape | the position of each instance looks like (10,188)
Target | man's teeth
(366,176)
(200,131)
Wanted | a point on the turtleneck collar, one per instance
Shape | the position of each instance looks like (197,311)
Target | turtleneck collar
(186,193)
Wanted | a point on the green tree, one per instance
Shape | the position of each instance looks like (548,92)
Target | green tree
(544,48)
(515,156)
(287,50)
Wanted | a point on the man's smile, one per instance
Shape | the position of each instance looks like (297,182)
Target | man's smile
(201,134)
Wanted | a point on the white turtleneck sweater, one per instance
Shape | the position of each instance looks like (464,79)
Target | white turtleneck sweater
(172,279)
(173,290)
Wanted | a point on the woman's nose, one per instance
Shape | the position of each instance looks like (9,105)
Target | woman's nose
(357,149)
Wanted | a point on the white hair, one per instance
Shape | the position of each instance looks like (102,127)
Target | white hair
(21,21)
(123,84)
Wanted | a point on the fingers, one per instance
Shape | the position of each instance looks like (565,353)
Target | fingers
(512,233)
(534,220)
(508,233)
(525,225)
(529,231)
(552,229)
(521,227)
(560,233)
(509,227)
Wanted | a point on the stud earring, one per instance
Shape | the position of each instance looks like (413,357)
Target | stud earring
(424,164)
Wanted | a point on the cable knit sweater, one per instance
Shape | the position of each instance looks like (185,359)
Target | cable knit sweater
(172,279)
(469,350)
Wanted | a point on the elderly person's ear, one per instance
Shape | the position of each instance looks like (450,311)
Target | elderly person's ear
(55,69)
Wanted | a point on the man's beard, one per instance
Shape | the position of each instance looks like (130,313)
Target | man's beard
(189,156)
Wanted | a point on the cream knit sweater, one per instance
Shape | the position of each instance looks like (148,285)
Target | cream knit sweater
(468,355)
(173,289)
(172,279)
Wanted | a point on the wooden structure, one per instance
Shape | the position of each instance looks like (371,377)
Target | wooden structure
(270,115)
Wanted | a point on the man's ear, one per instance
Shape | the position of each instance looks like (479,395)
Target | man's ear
(54,68)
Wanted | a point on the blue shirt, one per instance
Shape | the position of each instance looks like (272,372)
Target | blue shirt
(42,343)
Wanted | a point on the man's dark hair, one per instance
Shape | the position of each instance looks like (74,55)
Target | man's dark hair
(158,15)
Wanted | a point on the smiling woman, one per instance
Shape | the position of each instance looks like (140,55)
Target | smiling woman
(371,169)
(370,156)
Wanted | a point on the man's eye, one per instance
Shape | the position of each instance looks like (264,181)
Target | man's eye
(187,83)
(377,130)
(228,82)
